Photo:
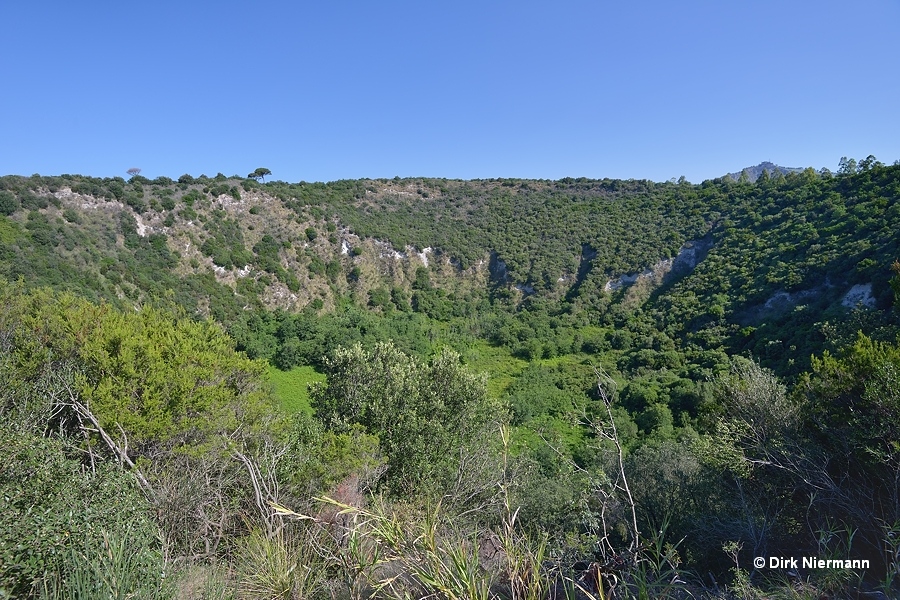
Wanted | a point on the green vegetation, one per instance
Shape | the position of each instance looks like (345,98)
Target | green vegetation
(292,387)
(422,414)
(488,388)
(259,174)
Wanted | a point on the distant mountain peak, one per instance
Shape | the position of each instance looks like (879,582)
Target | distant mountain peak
(753,173)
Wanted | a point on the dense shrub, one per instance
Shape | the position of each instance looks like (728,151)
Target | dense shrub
(8,203)
(424,414)
(55,510)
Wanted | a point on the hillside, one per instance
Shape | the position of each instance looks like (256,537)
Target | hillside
(239,230)
(717,265)
(770,169)
(448,361)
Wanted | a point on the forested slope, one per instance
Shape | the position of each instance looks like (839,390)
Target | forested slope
(743,335)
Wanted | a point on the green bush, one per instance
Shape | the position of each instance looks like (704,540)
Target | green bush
(159,377)
(424,414)
(31,201)
(59,515)
(8,203)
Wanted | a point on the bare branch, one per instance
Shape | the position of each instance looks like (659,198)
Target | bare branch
(604,379)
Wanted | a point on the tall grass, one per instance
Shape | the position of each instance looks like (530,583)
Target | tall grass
(278,567)
(115,572)
(385,553)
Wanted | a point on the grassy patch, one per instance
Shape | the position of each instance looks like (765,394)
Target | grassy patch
(500,365)
(291,387)
(9,231)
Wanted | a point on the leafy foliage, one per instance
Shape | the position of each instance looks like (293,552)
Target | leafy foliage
(424,414)
(55,511)
(661,284)
(163,379)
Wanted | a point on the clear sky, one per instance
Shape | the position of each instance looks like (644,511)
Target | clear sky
(319,91)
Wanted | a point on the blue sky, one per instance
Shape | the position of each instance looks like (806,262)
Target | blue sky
(319,91)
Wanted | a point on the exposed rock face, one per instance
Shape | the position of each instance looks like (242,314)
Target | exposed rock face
(690,254)
(423,255)
(859,295)
(617,284)
(497,268)
(783,300)
(142,228)
(386,250)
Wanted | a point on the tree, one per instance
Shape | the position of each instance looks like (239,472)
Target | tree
(259,173)
(847,166)
(854,401)
(868,163)
(8,203)
(895,283)
(425,415)
(133,171)
(161,380)
(162,394)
